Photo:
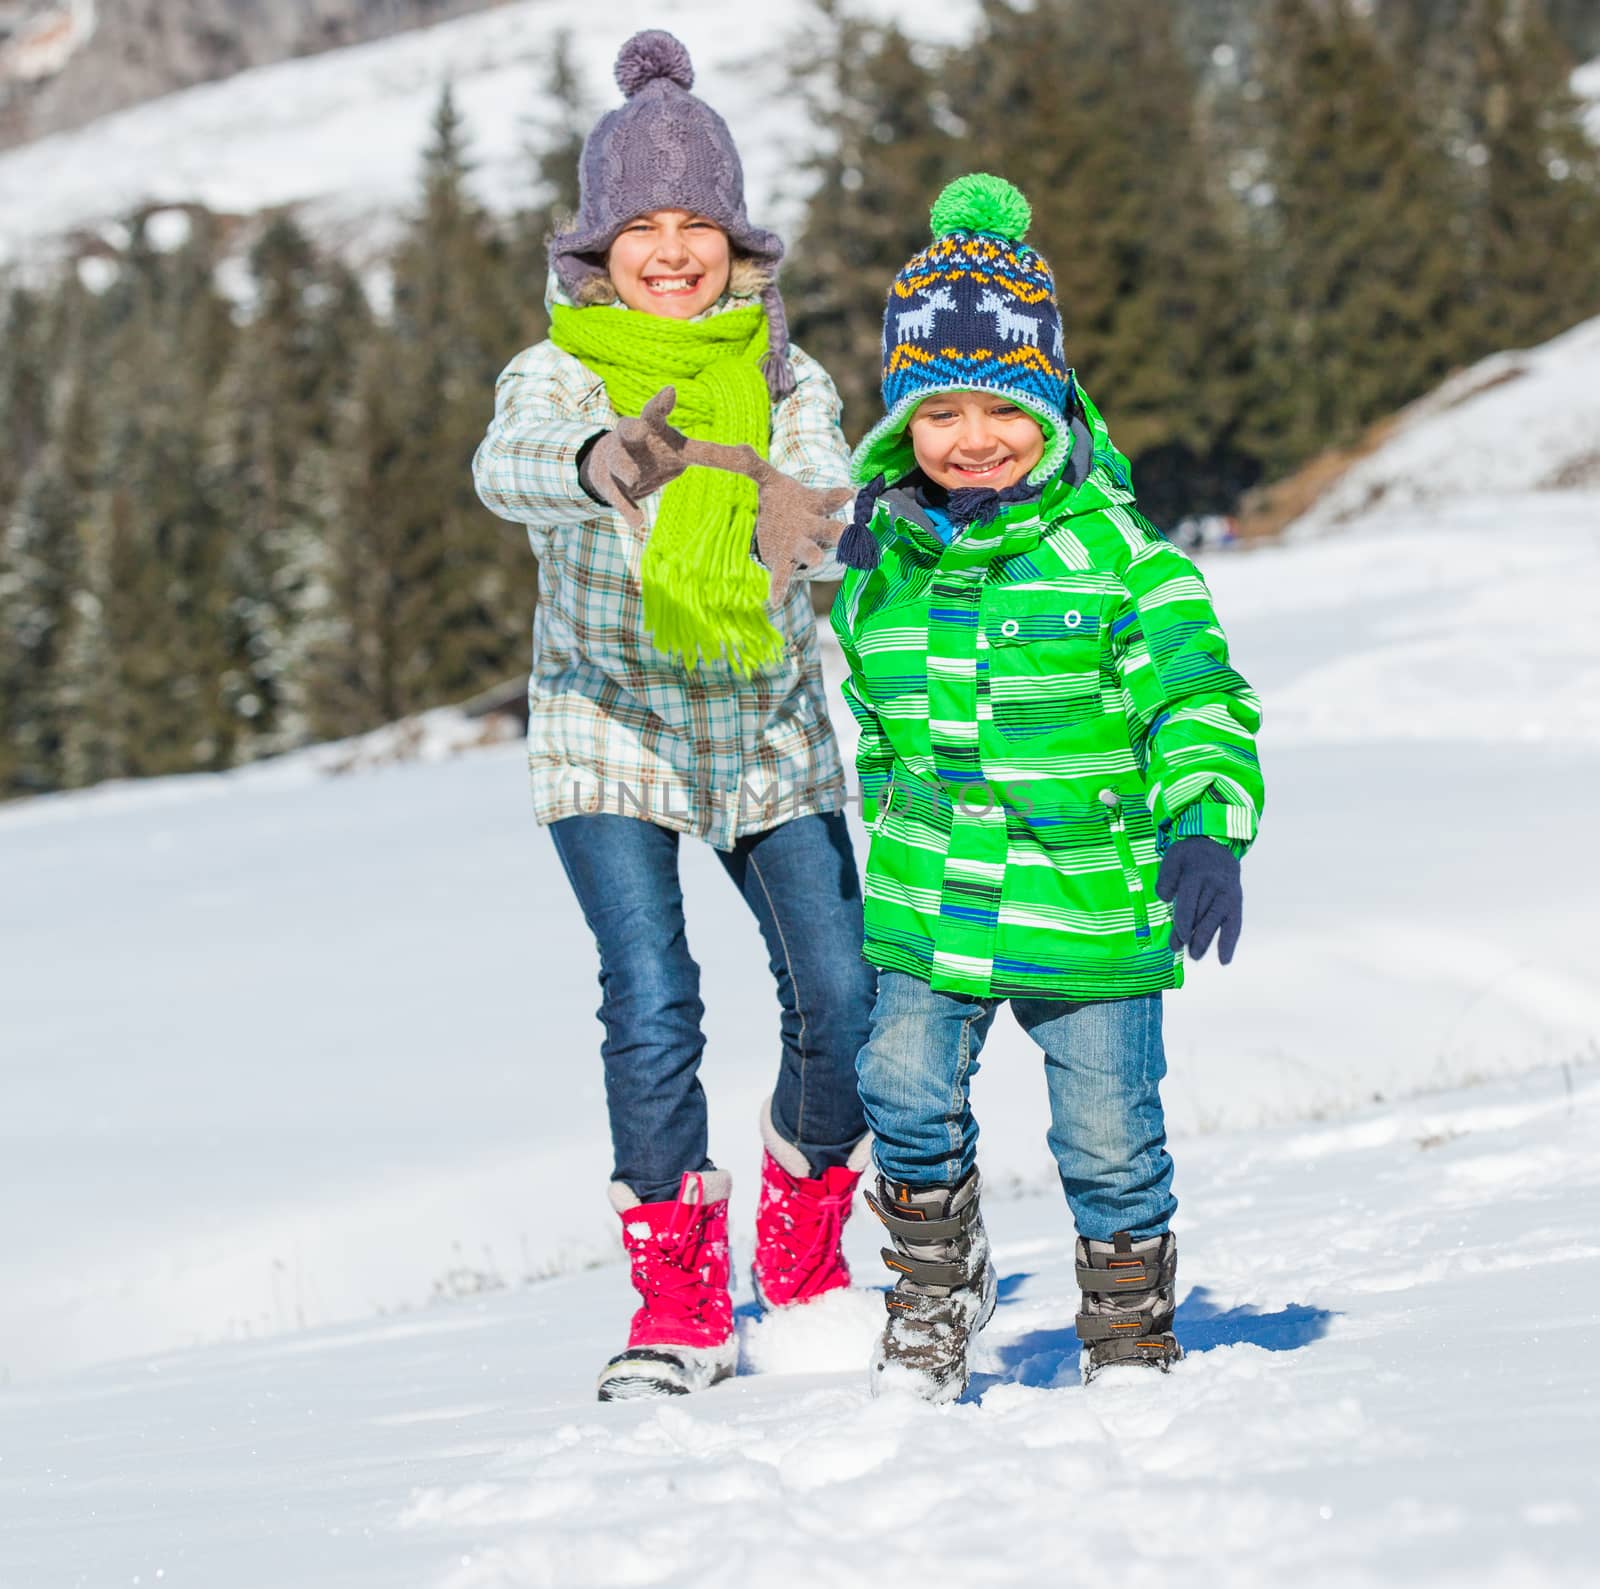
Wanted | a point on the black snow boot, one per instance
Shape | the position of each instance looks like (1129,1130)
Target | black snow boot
(1129,1295)
(945,1293)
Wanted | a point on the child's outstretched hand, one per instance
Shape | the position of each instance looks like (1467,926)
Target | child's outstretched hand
(1199,878)
(640,456)
(794,526)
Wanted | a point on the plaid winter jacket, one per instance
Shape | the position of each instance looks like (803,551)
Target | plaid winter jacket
(1044,705)
(612,724)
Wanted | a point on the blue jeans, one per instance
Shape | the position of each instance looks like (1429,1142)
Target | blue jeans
(1103,1063)
(800,881)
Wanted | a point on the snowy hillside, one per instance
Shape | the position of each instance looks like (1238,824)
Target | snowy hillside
(342,133)
(302,1089)
(1515,422)
(284,1047)
(308,1259)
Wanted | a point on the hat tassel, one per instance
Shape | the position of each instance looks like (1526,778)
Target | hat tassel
(857,548)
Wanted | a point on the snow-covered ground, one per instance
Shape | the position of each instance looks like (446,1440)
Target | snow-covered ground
(288,1048)
(341,134)
(301,1088)
(1391,1379)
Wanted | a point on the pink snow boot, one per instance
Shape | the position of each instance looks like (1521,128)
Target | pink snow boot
(682,1337)
(800,1220)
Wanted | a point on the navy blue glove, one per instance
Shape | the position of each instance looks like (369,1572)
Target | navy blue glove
(1199,878)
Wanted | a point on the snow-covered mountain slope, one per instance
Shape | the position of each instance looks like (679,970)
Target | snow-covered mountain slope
(342,133)
(1392,1335)
(1515,422)
(283,1048)
(65,62)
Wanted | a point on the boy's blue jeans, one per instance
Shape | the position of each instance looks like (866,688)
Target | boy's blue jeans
(1103,1063)
(800,881)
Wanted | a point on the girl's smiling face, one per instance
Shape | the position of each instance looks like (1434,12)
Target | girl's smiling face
(670,262)
(975,439)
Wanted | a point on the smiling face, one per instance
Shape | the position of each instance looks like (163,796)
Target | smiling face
(975,439)
(670,262)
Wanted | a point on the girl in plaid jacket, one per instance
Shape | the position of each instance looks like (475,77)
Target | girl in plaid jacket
(670,696)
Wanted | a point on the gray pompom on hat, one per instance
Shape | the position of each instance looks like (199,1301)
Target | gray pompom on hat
(663,149)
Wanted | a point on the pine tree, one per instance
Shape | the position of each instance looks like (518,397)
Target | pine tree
(1537,212)
(157,530)
(888,150)
(276,412)
(1361,262)
(430,594)
(1093,112)
(553,160)
(58,513)
(39,579)
(24,390)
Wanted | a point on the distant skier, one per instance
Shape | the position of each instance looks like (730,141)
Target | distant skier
(670,696)
(1061,778)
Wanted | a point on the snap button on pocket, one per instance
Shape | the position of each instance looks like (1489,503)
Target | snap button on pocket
(1009,627)
(1073,619)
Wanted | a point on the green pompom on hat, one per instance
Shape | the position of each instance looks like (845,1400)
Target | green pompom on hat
(974,311)
(982,203)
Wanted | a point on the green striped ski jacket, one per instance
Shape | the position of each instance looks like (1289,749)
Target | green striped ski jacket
(1044,705)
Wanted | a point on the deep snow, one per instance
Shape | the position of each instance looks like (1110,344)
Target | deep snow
(1391,1379)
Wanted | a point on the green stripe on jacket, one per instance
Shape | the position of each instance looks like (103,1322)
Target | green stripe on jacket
(1043,706)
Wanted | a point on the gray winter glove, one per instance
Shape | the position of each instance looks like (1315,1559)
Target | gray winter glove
(1199,878)
(794,530)
(640,456)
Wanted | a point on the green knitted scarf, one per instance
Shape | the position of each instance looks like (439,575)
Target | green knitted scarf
(704,595)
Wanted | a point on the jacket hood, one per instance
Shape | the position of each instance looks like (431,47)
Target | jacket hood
(1093,475)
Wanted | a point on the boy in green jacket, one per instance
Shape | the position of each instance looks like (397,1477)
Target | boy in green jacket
(1060,778)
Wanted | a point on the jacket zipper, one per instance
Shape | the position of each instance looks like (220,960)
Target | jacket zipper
(1112,801)
(884,805)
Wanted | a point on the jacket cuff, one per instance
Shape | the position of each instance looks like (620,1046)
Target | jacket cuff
(582,463)
(1210,817)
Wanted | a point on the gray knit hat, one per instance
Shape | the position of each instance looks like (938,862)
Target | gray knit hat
(663,149)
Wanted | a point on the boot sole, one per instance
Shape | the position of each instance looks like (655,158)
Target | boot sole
(644,1373)
(1089,1371)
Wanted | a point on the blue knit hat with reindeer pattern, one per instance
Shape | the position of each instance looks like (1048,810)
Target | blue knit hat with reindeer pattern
(974,311)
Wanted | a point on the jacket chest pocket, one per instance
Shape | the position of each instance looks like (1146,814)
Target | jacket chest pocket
(1042,661)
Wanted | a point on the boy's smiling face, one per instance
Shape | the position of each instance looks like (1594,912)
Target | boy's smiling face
(670,262)
(975,439)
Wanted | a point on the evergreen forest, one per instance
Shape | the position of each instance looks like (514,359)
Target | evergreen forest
(236,518)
